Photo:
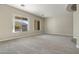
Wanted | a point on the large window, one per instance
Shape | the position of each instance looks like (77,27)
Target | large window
(20,24)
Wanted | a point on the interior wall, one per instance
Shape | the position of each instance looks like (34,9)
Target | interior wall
(6,23)
(62,24)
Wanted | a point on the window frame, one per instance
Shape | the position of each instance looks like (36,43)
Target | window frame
(14,31)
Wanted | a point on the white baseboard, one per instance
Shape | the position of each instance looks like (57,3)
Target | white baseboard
(17,37)
(60,34)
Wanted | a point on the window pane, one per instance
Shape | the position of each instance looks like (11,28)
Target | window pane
(18,27)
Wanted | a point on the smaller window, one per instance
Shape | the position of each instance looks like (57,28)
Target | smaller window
(36,25)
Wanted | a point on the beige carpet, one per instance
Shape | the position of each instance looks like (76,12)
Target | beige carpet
(41,44)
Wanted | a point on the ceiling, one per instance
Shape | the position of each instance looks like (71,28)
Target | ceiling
(43,10)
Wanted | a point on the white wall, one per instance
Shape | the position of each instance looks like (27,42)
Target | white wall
(76,25)
(6,23)
(62,24)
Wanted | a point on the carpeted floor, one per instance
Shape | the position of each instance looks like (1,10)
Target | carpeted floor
(41,44)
